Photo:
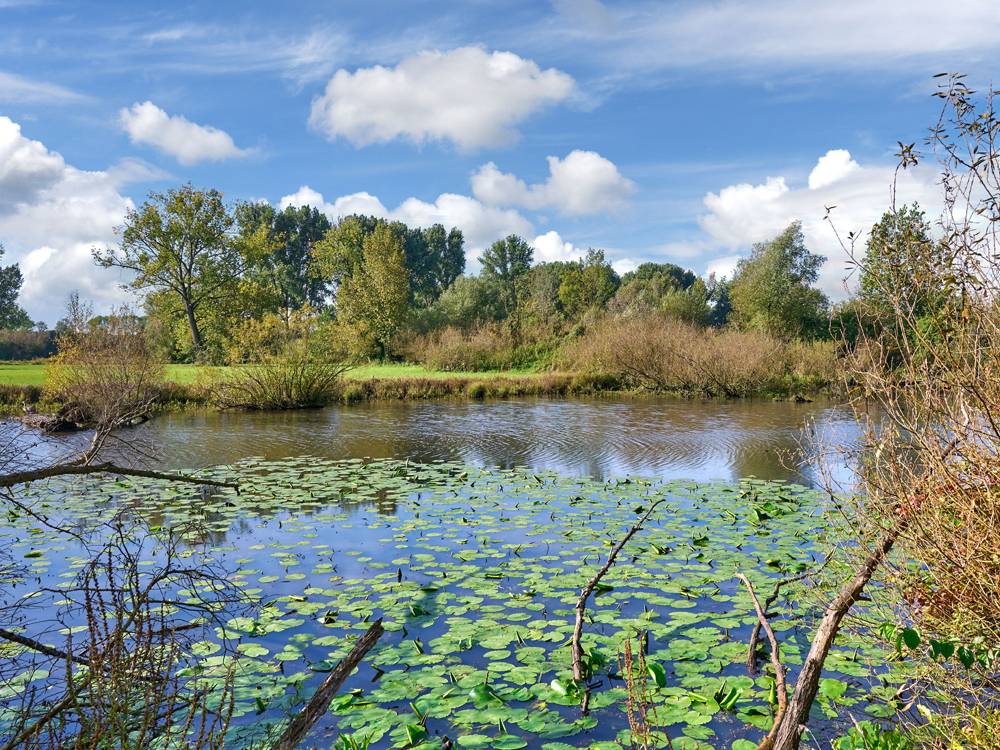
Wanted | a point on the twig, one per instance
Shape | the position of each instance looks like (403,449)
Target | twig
(779,670)
(581,604)
(320,702)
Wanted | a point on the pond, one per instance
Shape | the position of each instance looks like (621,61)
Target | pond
(671,438)
(469,528)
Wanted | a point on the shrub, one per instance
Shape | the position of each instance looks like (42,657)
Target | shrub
(107,375)
(291,382)
(662,354)
(490,347)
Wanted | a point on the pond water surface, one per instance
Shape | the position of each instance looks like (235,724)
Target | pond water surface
(668,438)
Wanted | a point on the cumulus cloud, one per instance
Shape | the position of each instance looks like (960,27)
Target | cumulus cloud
(468,96)
(480,224)
(582,183)
(550,247)
(52,214)
(739,215)
(177,136)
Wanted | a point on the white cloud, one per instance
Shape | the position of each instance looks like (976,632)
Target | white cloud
(833,166)
(469,96)
(480,224)
(739,215)
(770,34)
(582,183)
(15,89)
(723,267)
(177,136)
(52,214)
(550,247)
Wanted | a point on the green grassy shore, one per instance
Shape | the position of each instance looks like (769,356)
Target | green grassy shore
(188,385)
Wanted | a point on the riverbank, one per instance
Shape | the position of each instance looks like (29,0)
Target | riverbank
(22,385)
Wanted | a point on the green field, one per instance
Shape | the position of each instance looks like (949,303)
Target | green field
(34,373)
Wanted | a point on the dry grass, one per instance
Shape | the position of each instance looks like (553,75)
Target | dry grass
(664,354)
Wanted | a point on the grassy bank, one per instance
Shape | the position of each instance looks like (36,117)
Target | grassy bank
(189,384)
(24,383)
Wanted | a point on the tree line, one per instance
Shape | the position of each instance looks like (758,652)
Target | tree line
(236,283)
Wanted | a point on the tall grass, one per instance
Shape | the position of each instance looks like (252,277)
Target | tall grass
(294,382)
(658,353)
(490,347)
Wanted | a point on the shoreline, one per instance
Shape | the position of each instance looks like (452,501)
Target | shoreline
(15,398)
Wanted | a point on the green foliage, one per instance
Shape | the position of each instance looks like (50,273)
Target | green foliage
(277,249)
(506,262)
(868,735)
(896,268)
(373,302)
(12,316)
(690,305)
(433,257)
(177,243)
(587,284)
(772,290)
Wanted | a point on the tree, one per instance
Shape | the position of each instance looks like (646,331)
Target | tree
(507,261)
(375,300)
(434,257)
(689,305)
(587,283)
(12,315)
(642,290)
(178,242)
(772,289)
(279,246)
(898,265)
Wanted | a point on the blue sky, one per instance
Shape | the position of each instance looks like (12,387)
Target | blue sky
(680,131)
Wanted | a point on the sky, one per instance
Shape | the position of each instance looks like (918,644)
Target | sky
(680,131)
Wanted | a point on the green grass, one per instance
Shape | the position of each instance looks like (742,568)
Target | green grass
(19,373)
(22,373)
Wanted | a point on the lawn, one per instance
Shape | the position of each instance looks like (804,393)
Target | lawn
(19,373)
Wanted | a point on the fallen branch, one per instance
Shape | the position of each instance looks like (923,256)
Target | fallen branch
(779,670)
(581,604)
(320,702)
(32,644)
(755,635)
(793,723)
(23,477)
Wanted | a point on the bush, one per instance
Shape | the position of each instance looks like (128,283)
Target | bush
(22,345)
(662,354)
(489,347)
(293,382)
(106,376)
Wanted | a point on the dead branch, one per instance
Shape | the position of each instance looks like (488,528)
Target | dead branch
(779,670)
(320,702)
(23,477)
(581,604)
(788,731)
(771,599)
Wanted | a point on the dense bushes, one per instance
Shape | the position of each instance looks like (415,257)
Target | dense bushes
(22,345)
(658,353)
(491,347)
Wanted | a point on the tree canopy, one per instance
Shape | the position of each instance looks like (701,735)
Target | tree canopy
(772,289)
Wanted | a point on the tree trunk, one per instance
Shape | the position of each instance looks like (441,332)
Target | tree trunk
(193,325)
(793,722)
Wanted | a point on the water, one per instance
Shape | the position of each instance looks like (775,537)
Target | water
(582,437)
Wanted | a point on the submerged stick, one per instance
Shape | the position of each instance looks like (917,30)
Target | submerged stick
(581,604)
(779,670)
(320,702)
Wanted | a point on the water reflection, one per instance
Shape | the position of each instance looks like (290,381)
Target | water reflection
(592,437)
